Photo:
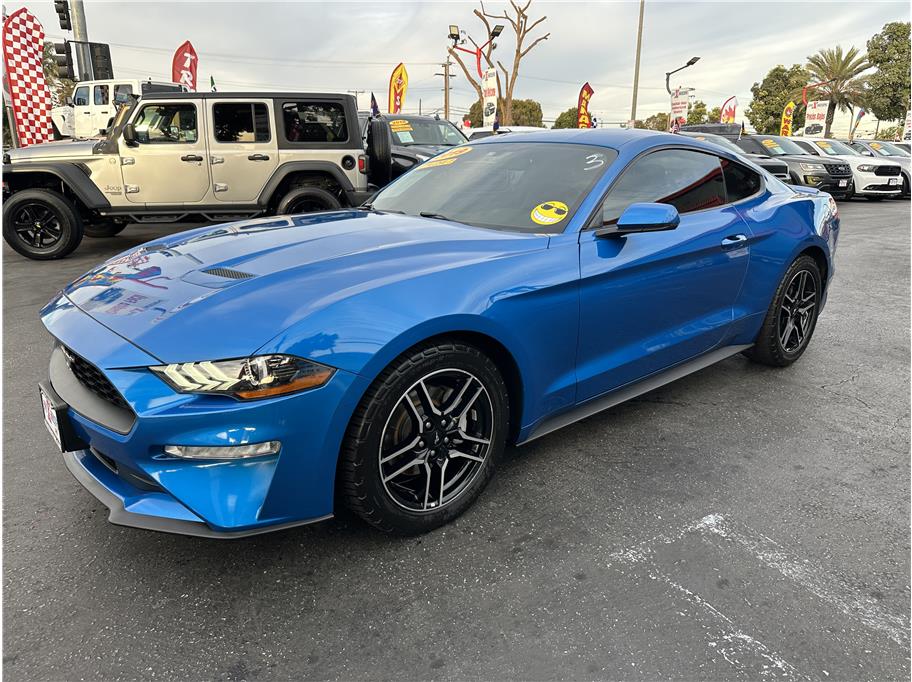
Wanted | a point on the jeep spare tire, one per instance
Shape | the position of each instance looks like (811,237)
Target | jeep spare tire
(380,152)
(41,224)
(307,199)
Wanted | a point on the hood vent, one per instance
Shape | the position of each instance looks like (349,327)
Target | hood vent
(228,273)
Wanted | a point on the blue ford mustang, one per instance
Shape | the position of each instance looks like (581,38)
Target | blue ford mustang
(252,376)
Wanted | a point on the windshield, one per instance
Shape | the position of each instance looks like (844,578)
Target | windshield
(835,148)
(519,186)
(886,149)
(412,131)
(780,146)
(717,139)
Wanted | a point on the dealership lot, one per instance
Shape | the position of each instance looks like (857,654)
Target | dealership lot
(743,521)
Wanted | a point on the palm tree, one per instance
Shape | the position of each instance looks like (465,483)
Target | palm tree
(839,74)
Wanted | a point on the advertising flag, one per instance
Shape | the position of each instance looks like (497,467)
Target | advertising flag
(183,66)
(907,128)
(398,87)
(729,110)
(375,108)
(815,118)
(785,127)
(212,83)
(858,117)
(489,98)
(583,119)
(30,98)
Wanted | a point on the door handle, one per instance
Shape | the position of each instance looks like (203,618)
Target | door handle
(734,241)
(258,157)
(191,157)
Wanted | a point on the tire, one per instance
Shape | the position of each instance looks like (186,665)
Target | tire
(103,229)
(380,152)
(408,502)
(59,233)
(307,199)
(769,348)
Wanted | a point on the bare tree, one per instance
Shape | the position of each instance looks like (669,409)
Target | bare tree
(522,27)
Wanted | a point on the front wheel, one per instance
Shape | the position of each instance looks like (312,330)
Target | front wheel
(792,316)
(41,224)
(426,438)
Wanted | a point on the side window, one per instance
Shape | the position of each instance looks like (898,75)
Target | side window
(689,181)
(240,122)
(81,96)
(122,92)
(314,122)
(166,123)
(808,147)
(101,94)
(740,182)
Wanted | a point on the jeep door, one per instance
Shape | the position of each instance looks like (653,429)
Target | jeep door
(242,147)
(167,164)
(82,112)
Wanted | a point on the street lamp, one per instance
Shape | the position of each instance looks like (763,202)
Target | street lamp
(477,52)
(668,75)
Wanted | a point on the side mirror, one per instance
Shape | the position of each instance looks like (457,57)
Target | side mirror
(129,134)
(643,217)
(68,101)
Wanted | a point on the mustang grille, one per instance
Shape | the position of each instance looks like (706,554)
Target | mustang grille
(92,378)
(838,169)
(228,273)
(886,170)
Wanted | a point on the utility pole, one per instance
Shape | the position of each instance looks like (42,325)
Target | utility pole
(446,87)
(81,39)
(636,69)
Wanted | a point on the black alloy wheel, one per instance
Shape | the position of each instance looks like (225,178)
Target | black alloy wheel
(41,224)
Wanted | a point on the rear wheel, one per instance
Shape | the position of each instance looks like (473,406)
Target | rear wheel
(41,224)
(792,316)
(307,199)
(425,440)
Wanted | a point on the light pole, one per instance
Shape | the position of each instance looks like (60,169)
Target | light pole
(669,74)
(636,69)
(477,52)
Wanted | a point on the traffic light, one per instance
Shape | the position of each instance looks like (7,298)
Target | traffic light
(102,69)
(63,55)
(63,13)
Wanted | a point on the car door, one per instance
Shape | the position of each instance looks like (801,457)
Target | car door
(102,109)
(654,299)
(167,164)
(82,112)
(242,149)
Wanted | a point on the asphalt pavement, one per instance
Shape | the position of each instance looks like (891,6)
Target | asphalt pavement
(743,523)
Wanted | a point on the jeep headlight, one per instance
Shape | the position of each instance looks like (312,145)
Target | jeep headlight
(812,166)
(867,168)
(262,376)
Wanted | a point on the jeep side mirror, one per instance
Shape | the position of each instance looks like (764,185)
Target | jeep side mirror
(129,134)
(68,100)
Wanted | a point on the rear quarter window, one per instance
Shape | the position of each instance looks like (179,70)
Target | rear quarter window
(314,122)
(740,182)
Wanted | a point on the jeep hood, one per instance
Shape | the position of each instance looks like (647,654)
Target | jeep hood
(60,150)
(225,291)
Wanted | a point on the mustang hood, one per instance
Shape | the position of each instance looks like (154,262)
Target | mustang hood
(222,292)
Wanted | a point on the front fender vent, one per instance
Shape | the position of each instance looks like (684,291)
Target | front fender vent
(228,273)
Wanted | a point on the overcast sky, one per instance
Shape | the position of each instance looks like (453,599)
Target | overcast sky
(339,46)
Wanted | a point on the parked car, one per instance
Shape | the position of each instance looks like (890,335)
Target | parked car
(487,131)
(415,139)
(191,157)
(779,169)
(874,179)
(835,178)
(93,105)
(878,149)
(258,375)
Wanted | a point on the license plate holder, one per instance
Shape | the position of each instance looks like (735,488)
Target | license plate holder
(843,183)
(893,181)
(57,420)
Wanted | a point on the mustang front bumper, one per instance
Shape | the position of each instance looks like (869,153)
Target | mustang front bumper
(121,460)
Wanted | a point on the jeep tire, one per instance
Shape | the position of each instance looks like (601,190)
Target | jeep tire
(380,152)
(307,199)
(41,224)
(103,228)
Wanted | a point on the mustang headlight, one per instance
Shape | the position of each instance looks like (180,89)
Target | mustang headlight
(262,376)
(812,166)
(867,168)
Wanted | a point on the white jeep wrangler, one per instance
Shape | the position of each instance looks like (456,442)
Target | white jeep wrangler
(187,157)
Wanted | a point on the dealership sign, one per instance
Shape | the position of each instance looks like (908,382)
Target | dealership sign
(815,118)
(183,66)
(489,97)
(679,102)
(907,129)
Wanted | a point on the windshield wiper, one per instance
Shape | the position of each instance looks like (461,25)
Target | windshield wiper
(438,216)
(370,208)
